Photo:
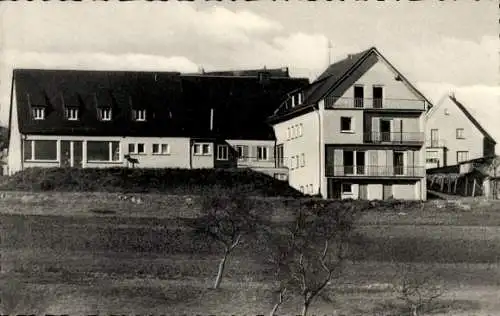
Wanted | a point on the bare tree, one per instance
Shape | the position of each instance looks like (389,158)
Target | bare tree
(419,290)
(226,220)
(312,250)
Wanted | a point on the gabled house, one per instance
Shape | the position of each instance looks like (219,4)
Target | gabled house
(69,118)
(356,132)
(454,135)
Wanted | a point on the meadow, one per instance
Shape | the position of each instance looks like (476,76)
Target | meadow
(113,253)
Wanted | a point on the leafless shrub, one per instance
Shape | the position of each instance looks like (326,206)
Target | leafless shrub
(310,253)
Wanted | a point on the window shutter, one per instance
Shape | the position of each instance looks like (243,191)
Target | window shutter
(271,153)
(373,162)
(409,159)
(245,152)
(338,157)
(253,153)
(390,161)
(397,136)
(376,129)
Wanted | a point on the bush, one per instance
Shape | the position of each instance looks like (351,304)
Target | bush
(173,181)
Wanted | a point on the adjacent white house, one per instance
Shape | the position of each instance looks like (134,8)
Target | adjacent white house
(454,135)
(355,132)
(69,118)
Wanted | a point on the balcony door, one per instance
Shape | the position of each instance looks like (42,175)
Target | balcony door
(398,163)
(385,130)
(359,96)
(378,96)
(360,162)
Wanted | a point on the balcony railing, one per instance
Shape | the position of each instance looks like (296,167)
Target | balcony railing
(333,102)
(435,143)
(374,171)
(394,137)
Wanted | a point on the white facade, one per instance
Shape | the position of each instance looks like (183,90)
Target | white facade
(384,141)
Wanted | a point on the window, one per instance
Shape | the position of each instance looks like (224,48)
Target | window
(300,130)
(346,188)
(105,114)
(161,149)
(139,115)
(205,149)
(38,113)
(262,153)
(222,152)
(103,151)
(136,149)
(302,189)
(462,156)
(302,160)
(288,134)
(201,149)
(280,176)
(460,133)
(297,162)
(345,124)
(40,150)
(71,114)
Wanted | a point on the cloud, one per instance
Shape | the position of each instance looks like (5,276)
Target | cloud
(448,59)
(98,61)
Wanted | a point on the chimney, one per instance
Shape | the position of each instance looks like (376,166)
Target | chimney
(211,119)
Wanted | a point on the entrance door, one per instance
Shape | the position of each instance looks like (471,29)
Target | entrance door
(334,189)
(387,191)
(385,130)
(77,154)
(363,191)
(65,153)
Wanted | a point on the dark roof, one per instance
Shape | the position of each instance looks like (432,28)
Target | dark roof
(176,104)
(331,78)
(273,73)
(472,119)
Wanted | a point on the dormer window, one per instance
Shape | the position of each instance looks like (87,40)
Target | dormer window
(105,114)
(71,113)
(38,113)
(139,115)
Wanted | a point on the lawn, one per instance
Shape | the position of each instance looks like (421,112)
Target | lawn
(79,253)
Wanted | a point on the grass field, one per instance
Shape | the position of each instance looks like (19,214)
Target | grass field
(89,253)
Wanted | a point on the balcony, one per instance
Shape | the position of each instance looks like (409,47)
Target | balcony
(435,143)
(375,171)
(333,102)
(403,138)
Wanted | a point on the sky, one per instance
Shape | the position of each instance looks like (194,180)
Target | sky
(440,46)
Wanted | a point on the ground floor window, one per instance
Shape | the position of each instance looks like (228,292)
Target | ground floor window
(40,150)
(281,176)
(202,149)
(222,152)
(160,149)
(103,151)
(346,188)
